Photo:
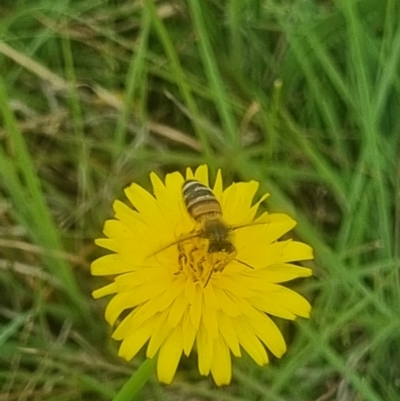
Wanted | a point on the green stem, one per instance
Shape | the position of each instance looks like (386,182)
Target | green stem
(139,378)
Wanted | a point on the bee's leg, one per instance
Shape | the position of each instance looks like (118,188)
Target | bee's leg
(197,258)
(208,278)
(244,263)
(182,258)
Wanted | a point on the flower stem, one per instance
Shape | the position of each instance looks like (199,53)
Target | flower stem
(139,378)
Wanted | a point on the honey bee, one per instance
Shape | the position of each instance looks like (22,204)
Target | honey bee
(203,207)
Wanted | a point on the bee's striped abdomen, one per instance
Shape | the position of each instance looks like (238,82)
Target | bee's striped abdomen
(200,202)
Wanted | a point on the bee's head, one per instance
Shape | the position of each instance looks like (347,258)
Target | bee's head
(221,246)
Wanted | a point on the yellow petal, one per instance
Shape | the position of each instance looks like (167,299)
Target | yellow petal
(160,191)
(170,199)
(110,244)
(262,232)
(196,307)
(177,310)
(189,334)
(109,265)
(191,290)
(132,253)
(131,345)
(142,200)
(236,202)
(277,295)
(251,344)
(118,304)
(124,213)
(228,306)
(106,290)
(130,298)
(117,230)
(254,209)
(228,332)
(136,318)
(159,335)
(128,326)
(189,174)
(201,174)
(296,251)
(255,279)
(150,211)
(210,321)
(210,299)
(272,254)
(169,356)
(218,188)
(246,309)
(221,367)
(205,350)
(267,331)
(156,277)
(147,282)
(174,182)
(234,285)
(282,272)
(273,309)
(173,290)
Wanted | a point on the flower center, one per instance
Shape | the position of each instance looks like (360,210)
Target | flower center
(199,260)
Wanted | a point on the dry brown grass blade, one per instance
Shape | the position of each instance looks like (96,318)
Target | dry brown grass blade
(33,66)
(103,95)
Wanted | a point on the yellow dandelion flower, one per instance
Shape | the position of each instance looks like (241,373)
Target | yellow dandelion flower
(186,283)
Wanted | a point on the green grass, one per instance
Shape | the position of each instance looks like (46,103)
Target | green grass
(302,96)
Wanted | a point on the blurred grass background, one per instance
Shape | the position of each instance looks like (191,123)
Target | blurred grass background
(302,96)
